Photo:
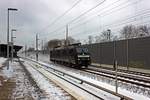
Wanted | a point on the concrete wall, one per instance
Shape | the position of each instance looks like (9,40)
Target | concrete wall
(134,52)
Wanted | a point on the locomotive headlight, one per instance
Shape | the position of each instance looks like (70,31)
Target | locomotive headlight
(82,56)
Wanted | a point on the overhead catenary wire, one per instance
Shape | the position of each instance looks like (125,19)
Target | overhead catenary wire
(133,17)
(107,7)
(130,22)
(79,16)
(84,14)
(63,27)
(87,11)
(143,12)
(108,11)
(59,17)
(118,30)
(126,23)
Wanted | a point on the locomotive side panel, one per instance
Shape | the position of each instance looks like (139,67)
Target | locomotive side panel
(76,56)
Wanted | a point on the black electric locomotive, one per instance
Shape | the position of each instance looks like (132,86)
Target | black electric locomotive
(73,55)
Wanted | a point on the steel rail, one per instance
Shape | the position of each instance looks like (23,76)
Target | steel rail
(123,70)
(122,97)
(69,82)
(119,78)
(140,78)
(144,80)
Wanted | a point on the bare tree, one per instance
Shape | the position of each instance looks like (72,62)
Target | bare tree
(97,39)
(129,31)
(30,49)
(54,43)
(70,41)
(143,31)
(106,36)
(115,38)
(78,41)
(85,42)
(149,30)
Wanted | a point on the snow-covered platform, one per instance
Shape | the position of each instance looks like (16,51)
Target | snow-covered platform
(24,82)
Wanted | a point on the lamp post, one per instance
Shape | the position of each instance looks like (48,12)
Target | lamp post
(12,43)
(9,9)
(67,36)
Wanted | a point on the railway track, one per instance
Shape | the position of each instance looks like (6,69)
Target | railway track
(128,77)
(44,94)
(124,77)
(77,81)
(123,71)
(133,78)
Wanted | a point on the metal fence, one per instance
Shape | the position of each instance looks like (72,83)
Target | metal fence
(132,52)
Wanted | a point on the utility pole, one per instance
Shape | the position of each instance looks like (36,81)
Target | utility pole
(8,39)
(115,67)
(9,9)
(116,75)
(37,47)
(25,50)
(127,43)
(66,35)
(108,34)
(67,43)
(12,44)
(42,47)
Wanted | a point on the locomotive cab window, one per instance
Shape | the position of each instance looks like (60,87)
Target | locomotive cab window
(82,50)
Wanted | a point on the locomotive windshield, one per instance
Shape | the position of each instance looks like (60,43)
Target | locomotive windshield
(82,50)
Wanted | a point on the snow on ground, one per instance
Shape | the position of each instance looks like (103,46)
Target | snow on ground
(8,72)
(2,60)
(52,90)
(81,93)
(24,89)
(128,87)
(137,93)
(15,84)
(133,95)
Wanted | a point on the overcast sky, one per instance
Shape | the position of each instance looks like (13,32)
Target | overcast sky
(33,16)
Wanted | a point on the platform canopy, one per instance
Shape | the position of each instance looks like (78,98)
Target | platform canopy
(3,50)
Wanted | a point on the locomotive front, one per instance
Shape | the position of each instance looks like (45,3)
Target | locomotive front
(83,56)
